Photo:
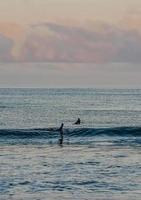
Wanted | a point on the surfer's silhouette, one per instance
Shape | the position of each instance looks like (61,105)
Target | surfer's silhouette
(61,134)
(78,121)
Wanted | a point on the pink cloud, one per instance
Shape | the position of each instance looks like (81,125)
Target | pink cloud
(67,44)
(50,42)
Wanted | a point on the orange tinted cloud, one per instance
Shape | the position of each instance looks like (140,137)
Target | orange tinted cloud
(16,33)
(11,30)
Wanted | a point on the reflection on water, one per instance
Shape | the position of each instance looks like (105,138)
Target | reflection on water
(102,169)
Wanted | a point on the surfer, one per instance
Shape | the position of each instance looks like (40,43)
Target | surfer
(78,121)
(61,134)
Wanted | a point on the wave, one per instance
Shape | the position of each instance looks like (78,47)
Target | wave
(77,132)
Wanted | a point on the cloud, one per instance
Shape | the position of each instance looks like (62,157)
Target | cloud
(6,45)
(132,20)
(15,33)
(61,43)
(130,48)
(95,42)
(12,30)
(66,44)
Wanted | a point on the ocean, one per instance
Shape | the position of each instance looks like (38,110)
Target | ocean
(100,159)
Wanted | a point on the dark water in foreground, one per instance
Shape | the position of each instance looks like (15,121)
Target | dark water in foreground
(100,159)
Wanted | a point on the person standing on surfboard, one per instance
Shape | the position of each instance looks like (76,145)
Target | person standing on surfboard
(61,134)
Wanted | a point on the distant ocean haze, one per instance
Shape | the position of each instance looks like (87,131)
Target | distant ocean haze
(78,75)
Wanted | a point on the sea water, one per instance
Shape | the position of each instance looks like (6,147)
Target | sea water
(99,159)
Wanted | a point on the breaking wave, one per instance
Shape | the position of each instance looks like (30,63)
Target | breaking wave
(45,133)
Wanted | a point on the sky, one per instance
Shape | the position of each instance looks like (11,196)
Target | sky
(70,43)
